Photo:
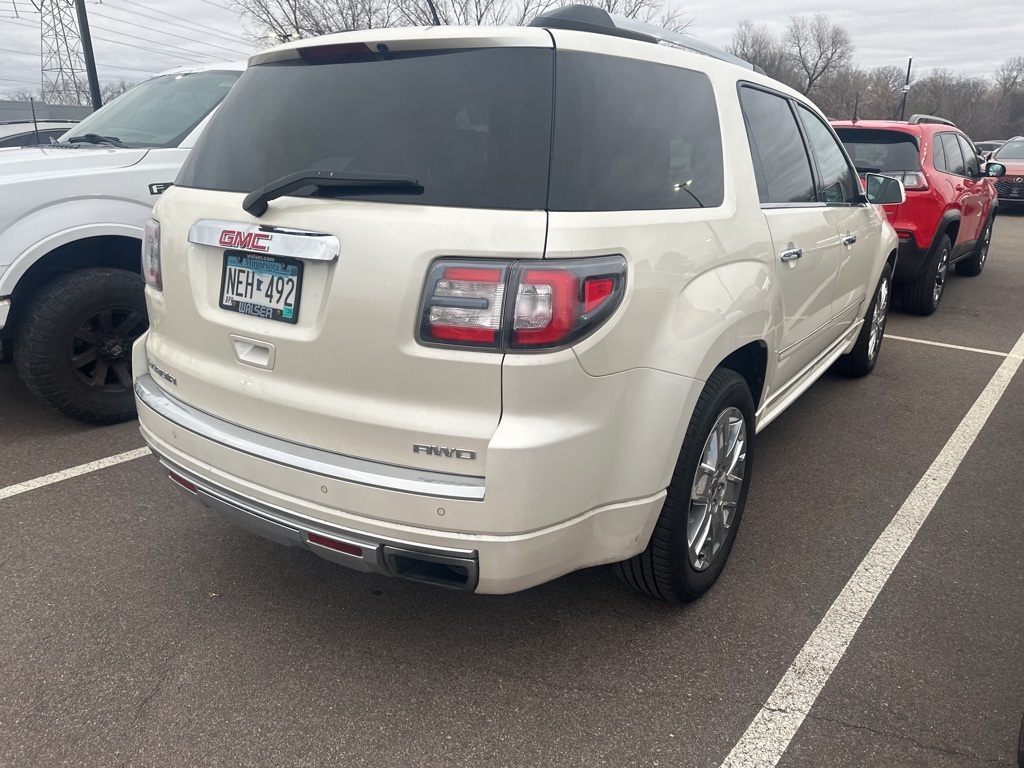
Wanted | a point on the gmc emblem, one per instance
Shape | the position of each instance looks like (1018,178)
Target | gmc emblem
(244,241)
(440,450)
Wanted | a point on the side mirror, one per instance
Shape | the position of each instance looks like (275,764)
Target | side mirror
(994,169)
(884,190)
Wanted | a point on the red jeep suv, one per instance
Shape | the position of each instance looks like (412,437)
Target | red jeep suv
(951,199)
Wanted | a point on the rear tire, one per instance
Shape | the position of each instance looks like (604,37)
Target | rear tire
(922,296)
(973,264)
(693,538)
(74,349)
(860,360)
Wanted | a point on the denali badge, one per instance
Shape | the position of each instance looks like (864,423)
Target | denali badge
(162,373)
(440,450)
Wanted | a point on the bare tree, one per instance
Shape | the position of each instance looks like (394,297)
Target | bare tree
(1010,75)
(111,89)
(278,20)
(817,47)
(22,94)
(762,49)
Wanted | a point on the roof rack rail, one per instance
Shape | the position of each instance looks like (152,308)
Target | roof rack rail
(588,18)
(918,119)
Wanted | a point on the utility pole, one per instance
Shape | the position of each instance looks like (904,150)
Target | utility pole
(906,89)
(63,64)
(90,59)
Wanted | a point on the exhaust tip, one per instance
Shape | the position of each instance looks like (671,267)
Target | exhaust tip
(439,570)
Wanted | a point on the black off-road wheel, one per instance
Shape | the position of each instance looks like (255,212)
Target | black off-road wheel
(74,349)
(973,264)
(860,360)
(698,523)
(922,296)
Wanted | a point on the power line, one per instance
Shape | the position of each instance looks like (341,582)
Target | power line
(162,44)
(190,39)
(23,53)
(177,21)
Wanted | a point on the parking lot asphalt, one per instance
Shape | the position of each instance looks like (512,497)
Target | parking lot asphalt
(136,629)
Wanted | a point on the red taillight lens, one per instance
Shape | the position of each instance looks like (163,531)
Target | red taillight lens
(465,304)
(913,180)
(545,306)
(556,302)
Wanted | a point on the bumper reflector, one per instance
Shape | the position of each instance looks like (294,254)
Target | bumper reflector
(186,484)
(339,546)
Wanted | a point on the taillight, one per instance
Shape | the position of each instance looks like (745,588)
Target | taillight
(151,255)
(555,302)
(914,180)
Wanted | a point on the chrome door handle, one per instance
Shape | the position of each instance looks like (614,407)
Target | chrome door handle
(791,254)
(849,239)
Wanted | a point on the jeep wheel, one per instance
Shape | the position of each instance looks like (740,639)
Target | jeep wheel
(860,360)
(698,523)
(74,350)
(922,296)
(973,264)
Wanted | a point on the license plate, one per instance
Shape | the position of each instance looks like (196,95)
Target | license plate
(261,286)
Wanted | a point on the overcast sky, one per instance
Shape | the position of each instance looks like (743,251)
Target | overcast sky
(969,37)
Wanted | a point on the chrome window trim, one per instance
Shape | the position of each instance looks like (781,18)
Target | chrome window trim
(305,458)
(296,243)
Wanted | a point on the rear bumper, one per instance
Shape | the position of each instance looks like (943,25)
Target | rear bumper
(912,261)
(270,494)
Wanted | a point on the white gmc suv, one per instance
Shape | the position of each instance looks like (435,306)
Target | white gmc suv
(72,216)
(483,306)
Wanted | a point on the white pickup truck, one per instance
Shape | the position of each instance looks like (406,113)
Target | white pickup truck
(72,216)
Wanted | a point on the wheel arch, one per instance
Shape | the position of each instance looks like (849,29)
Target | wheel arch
(120,249)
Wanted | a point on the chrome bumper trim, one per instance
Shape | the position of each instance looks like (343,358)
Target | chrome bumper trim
(459,568)
(303,457)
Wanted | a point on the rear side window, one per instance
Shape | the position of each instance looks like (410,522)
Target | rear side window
(837,181)
(780,158)
(954,157)
(970,156)
(633,135)
(473,126)
(879,151)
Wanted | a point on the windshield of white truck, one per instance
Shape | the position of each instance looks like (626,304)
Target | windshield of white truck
(157,113)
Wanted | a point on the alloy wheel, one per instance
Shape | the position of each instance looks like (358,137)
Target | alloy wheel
(940,277)
(716,490)
(878,319)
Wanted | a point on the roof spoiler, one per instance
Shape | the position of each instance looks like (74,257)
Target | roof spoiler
(587,18)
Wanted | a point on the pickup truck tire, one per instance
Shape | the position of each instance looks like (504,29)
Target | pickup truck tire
(74,350)
(922,296)
(973,264)
(860,360)
(692,538)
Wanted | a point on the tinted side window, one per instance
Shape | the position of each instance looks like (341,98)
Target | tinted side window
(970,156)
(776,144)
(954,157)
(632,135)
(837,179)
(939,155)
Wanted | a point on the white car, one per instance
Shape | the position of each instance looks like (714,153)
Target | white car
(29,133)
(71,223)
(482,306)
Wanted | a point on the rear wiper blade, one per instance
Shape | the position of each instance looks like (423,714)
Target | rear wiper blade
(256,202)
(95,138)
(861,169)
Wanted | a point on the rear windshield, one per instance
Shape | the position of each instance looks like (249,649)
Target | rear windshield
(474,128)
(880,151)
(1011,150)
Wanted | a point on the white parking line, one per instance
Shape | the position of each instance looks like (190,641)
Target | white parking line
(65,474)
(951,346)
(772,730)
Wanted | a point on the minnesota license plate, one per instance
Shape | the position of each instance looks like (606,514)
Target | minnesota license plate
(261,286)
